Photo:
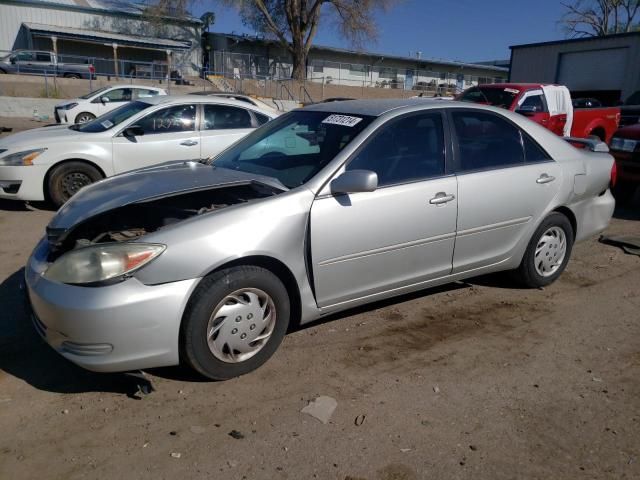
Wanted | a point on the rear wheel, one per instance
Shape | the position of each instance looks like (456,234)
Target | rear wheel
(65,180)
(72,75)
(84,117)
(548,252)
(235,321)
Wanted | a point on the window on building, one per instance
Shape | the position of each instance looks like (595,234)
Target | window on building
(318,66)
(390,73)
(357,70)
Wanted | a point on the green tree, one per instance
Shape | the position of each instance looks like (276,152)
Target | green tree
(294,23)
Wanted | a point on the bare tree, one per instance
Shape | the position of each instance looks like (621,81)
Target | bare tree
(597,18)
(294,23)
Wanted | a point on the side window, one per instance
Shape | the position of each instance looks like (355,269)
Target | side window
(408,149)
(145,93)
(119,95)
(262,119)
(43,57)
(486,141)
(533,103)
(224,117)
(181,118)
(532,151)
(25,57)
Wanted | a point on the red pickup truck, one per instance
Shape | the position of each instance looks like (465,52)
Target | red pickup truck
(548,105)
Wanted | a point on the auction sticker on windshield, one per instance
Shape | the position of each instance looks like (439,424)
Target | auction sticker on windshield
(107,124)
(344,120)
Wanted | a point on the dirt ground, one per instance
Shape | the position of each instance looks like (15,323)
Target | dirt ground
(476,380)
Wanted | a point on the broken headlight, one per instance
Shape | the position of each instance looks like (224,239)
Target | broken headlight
(103,262)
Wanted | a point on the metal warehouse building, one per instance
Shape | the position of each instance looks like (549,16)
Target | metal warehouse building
(113,35)
(244,56)
(607,68)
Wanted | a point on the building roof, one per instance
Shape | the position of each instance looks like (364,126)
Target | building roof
(97,35)
(576,40)
(117,7)
(323,48)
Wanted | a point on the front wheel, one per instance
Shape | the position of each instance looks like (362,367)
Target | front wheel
(235,321)
(84,117)
(548,252)
(65,180)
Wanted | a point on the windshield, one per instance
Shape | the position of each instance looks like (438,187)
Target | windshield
(295,146)
(498,97)
(95,92)
(113,118)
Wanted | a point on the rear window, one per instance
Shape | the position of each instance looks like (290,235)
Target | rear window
(498,97)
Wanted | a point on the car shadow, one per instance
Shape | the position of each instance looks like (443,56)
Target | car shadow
(627,211)
(20,206)
(24,355)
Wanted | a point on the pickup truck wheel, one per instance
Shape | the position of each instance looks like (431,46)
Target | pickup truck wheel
(234,322)
(84,117)
(548,252)
(65,180)
(72,75)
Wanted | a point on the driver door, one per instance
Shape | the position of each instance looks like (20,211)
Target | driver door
(401,234)
(170,133)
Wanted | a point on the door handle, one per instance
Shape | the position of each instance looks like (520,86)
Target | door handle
(189,143)
(441,198)
(544,178)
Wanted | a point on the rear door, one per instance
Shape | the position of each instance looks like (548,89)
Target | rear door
(170,133)
(223,125)
(505,182)
(398,235)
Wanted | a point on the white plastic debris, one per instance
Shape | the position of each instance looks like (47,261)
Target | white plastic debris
(321,408)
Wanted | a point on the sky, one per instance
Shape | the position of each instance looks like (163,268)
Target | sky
(463,30)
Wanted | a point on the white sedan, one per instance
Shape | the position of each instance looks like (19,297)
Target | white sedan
(86,108)
(55,162)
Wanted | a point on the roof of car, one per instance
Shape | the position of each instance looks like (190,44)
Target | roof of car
(129,85)
(161,99)
(372,107)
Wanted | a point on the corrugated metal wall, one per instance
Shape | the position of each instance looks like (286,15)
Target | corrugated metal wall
(542,63)
(13,15)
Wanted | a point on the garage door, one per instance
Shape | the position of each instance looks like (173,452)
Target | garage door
(593,70)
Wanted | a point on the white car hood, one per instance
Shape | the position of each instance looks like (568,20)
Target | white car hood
(68,102)
(42,137)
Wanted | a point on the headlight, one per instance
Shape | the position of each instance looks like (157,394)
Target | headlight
(624,144)
(69,106)
(102,262)
(22,158)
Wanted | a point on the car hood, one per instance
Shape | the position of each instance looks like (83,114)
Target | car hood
(172,178)
(40,137)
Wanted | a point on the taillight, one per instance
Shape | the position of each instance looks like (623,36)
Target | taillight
(614,175)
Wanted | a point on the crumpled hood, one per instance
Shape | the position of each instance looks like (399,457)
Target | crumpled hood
(40,137)
(149,183)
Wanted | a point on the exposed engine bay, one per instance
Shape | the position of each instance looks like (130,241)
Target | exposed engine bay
(135,220)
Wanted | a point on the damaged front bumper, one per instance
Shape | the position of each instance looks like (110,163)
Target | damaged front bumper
(120,327)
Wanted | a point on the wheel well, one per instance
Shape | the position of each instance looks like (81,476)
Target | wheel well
(45,186)
(282,272)
(599,132)
(571,217)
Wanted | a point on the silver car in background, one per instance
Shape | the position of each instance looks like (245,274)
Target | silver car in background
(325,208)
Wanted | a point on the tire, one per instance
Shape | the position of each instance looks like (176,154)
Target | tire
(223,304)
(544,268)
(72,75)
(66,179)
(84,117)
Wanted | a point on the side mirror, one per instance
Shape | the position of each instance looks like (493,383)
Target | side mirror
(133,131)
(12,60)
(105,100)
(354,181)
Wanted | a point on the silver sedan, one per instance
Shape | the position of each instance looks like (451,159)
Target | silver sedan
(325,208)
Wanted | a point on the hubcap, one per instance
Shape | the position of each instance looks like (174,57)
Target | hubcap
(550,251)
(73,182)
(240,325)
(85,118)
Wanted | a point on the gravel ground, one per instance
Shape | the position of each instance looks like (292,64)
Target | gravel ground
(474,380)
